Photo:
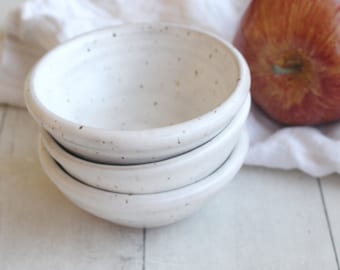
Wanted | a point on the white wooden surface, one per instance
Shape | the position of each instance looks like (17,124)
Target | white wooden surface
(265,219)
(39,228)
(330,187)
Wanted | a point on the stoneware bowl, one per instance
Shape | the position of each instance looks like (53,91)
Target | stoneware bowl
(137,93)
(157,176)
(144,210)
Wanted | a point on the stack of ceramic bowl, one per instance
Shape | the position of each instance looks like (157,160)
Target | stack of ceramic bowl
(141,124)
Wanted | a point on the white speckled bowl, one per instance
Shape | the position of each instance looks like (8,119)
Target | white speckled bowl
(144,210)
(137,93)
(156,176)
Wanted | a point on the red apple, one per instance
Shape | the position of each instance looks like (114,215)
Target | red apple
(293,50)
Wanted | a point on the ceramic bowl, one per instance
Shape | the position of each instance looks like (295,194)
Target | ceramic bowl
(137,93)
(157,176)
(144,210)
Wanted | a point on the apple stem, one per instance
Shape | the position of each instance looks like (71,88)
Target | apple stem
(287,70)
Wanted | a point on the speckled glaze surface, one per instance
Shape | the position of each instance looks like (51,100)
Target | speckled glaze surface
(138,92)
(157,176)
(145,210)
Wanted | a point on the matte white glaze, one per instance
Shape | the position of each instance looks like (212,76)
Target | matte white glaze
(145,210)
(157,176)
(138,92)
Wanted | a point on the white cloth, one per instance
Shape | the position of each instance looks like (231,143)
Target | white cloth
(39,25)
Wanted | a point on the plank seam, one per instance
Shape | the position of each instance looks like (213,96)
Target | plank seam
(3,118)
(144,244)
(331,235)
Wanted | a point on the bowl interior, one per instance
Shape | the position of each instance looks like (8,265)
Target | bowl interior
(136,77)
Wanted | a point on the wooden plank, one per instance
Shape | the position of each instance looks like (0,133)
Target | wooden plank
(40,228)
(3,110)
(263,220)
(330,188)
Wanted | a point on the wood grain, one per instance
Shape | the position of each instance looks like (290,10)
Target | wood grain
(39,227)
(263,220)
(330,188)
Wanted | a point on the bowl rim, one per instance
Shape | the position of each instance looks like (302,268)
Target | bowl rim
(48,119)
(58,152)
(219,177)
